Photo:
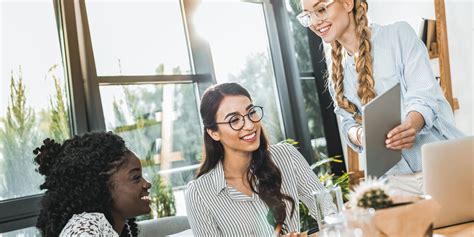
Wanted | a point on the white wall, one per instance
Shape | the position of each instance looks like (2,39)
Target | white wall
(460,25)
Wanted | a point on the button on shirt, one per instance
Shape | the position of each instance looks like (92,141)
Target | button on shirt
(399,56)
(216,209)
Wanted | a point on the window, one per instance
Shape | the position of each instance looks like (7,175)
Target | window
(156,123)
(31,231)
(241,53)
(310,93)
(137,38)
(315,124)
(33,98)
(145,63)
(300,37)
(159,122)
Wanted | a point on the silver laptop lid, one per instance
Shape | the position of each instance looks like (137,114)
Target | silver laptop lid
(448,176)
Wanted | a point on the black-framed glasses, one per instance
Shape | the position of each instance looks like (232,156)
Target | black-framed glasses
(318,13)
(237,121)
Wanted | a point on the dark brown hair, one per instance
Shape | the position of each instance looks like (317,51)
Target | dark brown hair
(262,168)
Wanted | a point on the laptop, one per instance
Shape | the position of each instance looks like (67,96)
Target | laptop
(448,177)
(381,115)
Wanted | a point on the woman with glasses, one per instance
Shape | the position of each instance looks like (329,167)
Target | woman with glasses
(245,187)
(367,61)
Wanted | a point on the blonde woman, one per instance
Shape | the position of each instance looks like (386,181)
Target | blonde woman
(366,61)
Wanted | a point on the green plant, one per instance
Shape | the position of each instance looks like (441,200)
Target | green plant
(372,193)
(323,171)
(18,136)
(162,200)
(376,198)
(21,130)
(322,168)
(291,142)
(59,126)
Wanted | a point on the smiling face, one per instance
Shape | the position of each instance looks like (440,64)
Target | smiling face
(338,21)
(244,141)
(129,189)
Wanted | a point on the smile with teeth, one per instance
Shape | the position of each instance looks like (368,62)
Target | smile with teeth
(250,136)
(145,198)
(324,29)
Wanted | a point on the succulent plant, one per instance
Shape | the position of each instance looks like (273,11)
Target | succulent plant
(374,198)
(371,193)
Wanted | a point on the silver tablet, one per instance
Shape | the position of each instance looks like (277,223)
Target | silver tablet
(381,115)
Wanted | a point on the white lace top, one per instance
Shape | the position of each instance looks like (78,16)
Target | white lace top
(88,224)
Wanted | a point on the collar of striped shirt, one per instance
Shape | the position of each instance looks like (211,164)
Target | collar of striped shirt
(221,185)
(219,180)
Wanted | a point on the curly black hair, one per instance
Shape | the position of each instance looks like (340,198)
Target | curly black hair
(76,179)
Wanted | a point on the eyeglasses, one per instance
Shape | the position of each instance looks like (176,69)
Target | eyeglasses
(237,121)
(318,13)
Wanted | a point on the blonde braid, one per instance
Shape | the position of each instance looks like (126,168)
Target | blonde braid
(366,87)
(337,81)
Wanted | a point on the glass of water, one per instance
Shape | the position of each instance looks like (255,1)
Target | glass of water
(329,206)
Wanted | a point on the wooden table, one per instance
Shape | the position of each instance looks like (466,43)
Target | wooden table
(461,230)
(466,229)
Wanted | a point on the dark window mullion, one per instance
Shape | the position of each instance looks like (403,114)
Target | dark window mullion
(19,213)
(200,49)
(307,75)
(291,75)
(279,72)
(67,28)
(95,115)
(331,129)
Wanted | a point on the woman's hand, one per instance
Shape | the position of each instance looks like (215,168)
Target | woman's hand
(403,136)
(294,234)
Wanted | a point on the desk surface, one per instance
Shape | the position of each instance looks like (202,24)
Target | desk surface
(461,230)
(466,229)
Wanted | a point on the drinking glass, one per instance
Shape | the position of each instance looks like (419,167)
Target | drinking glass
(329,206)
(359,222)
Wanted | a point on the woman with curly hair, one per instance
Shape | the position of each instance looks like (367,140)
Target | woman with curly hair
(366,60)
(245,187)
(94,187)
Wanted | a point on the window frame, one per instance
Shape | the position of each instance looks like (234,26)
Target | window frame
(330,126)
(294,77)
(86,107)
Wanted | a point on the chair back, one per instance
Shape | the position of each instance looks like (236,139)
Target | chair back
(164,226)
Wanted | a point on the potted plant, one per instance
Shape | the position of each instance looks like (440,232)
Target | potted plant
(394,214)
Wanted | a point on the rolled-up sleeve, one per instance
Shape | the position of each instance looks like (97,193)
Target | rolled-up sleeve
(422,89)
(199,218)
(347,122)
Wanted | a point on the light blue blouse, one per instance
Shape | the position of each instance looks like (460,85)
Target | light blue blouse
(399,56)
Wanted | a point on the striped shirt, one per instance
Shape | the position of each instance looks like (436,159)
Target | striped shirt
(216,209)
(399,56)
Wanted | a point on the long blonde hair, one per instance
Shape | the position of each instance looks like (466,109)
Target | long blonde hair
(366,85)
